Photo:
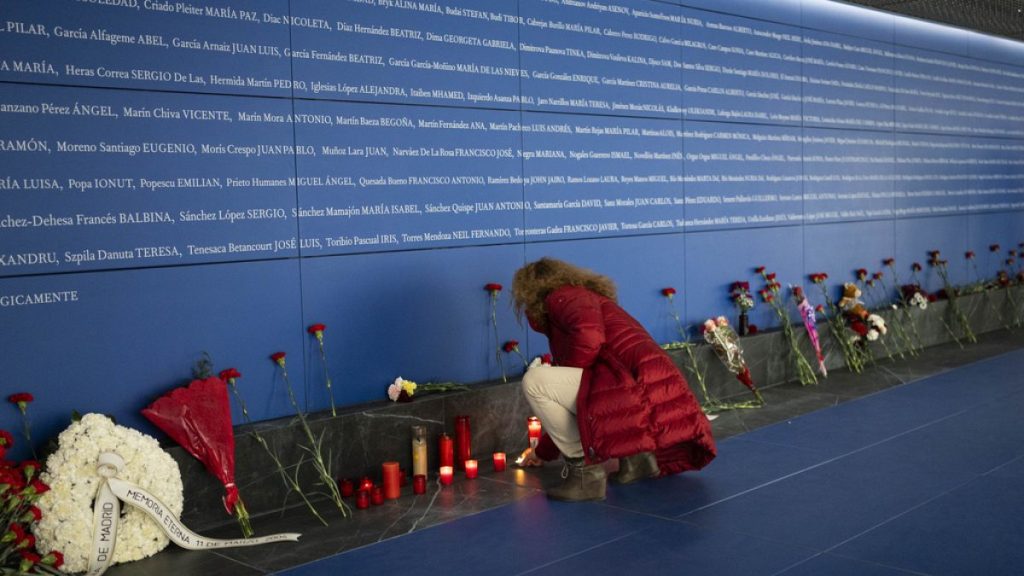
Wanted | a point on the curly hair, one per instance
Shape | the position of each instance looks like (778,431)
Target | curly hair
(532,284)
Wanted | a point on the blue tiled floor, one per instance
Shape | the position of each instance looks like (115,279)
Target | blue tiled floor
(920,479)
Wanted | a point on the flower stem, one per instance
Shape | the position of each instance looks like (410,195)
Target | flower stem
(327,376)
(497,340)
(289,483)
(315,449)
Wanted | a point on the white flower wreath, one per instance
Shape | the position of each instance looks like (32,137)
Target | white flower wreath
(67,522)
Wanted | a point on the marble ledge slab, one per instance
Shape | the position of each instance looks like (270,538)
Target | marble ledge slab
(360,438)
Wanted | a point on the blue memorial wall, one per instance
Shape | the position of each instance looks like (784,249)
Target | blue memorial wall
(181,177)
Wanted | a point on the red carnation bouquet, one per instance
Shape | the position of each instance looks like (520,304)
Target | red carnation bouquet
(198,417)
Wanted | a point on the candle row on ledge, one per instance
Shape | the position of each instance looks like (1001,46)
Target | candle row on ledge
(452,453)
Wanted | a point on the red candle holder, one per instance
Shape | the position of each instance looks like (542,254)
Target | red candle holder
(365,485)
(363,500)
(463,442)
(499,461)
(472,467)
(445,450)
(392,482)
(377,496)
(533,430)
(446,473)
(419,484)
(347,488)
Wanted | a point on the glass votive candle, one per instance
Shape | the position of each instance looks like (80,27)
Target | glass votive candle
(471,468)
(446,475)
(377,496)
(366,484)
(347,488)
(363,500)
(419,484)
(533,430)
(499,461)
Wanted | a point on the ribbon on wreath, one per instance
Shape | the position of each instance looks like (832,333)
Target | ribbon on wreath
(107,513)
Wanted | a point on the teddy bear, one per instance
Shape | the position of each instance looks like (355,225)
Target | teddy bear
(851,304)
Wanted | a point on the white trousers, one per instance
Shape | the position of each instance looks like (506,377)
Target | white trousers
(551,392)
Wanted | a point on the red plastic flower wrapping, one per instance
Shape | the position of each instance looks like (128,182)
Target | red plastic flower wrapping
(198,417)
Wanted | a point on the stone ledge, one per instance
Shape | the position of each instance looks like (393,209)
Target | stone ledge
(362,437)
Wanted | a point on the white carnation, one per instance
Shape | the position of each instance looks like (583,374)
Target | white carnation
(67,519)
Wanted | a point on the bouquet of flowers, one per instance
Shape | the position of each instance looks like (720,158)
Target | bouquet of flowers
(20,490)
(771,295)
(807,312)
(852,354)
(198,418)
(402,390)
(711,404)
(741,297)
(726,344)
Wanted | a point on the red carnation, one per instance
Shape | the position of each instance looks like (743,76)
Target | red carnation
(668,292)
(1010,261)
(819,309)
(759,270)
(1012,252)
(316,330)
(229,374)
(546,359)
(493,288)
(862,273)
(888,261)
(39,487)
(798,292)
(278,358)
(29,468)
(877,276)
(6,440)
(28,560)
(770,276)
(916,267)
(21,397)
(969,255)
(511,346)
(54,558)
(33,514)
(993,247)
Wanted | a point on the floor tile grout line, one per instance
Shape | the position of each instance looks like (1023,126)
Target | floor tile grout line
(579,552)
(901,514)
(825,462)
(821,554)
(989,473)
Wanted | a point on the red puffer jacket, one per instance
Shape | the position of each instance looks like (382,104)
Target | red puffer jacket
(632,397)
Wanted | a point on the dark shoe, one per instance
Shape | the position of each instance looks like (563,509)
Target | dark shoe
(581,483)
(636,467)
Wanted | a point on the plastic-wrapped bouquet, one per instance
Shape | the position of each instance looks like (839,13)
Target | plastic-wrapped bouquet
(726,344)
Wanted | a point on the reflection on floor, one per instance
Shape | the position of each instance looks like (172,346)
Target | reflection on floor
(913,467)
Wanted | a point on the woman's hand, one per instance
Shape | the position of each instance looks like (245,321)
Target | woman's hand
(529,460)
